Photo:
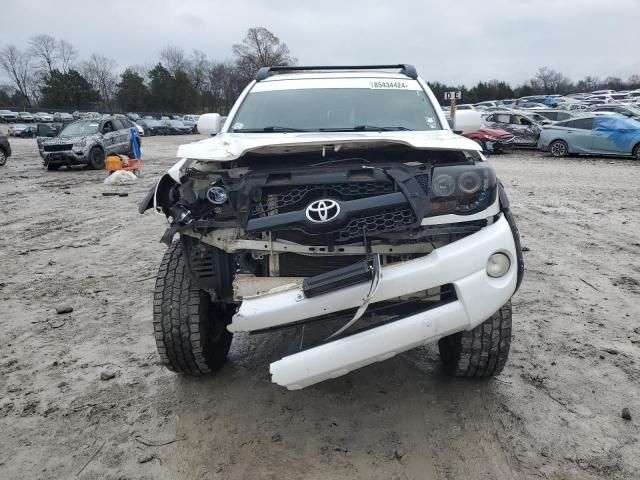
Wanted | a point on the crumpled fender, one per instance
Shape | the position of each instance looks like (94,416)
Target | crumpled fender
(158,195)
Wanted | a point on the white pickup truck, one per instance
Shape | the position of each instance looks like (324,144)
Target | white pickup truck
(338,202)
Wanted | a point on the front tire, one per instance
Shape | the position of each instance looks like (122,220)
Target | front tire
(481,352)
(96,158)
(190,330)
(559,148)
(3,158)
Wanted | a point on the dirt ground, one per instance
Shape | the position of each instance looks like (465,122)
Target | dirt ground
(554,413)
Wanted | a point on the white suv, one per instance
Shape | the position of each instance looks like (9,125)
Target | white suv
(335,201)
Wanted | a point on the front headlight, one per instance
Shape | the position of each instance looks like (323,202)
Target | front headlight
(81,143)
(462,190)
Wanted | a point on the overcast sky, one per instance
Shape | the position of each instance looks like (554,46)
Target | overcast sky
(460,41)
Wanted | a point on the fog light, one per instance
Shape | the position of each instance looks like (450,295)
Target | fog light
(217,195)
(498,265)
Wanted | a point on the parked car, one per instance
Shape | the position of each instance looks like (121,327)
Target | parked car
(554,114)
(492,140)
(154,127)
(43,117)
(370,170)
(176,127)
(529,105)
(525,129)
(465,106)
(7,116)
(16,129)
(5,149)
(626,110)
(25,117)
(29,132)
(592,135)
(191,121)
(574,107)
(62,117)
(85,142)
(133,116)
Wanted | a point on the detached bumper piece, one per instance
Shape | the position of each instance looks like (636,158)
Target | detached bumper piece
(462,263)
(337,279)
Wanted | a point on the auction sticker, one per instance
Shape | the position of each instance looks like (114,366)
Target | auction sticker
(387,84)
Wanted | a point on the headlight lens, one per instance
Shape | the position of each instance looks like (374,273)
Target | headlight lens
(217,195)
(469,182)
(462,189)
(444,185)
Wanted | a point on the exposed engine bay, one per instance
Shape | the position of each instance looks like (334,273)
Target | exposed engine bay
(306,214)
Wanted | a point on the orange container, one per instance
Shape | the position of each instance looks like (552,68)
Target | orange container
(112,163)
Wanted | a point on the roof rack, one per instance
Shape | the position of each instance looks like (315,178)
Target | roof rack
(408,70)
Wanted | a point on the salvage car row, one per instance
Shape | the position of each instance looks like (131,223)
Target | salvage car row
(613,129)
(149,125)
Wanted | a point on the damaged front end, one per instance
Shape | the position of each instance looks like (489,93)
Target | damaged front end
(370,251)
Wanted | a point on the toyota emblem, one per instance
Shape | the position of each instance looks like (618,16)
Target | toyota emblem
(322,211)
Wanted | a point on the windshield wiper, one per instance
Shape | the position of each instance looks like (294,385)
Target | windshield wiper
(364,128)
(273,128)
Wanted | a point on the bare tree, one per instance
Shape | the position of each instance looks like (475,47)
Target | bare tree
(99,72)
(550,81)
(68,55)
(174,59)
(197,71)
(260,48)
(45,49)
(224,85)
(17,65)
(141,69)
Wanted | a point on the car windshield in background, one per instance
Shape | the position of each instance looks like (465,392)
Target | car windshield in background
(80,128)
(335,109)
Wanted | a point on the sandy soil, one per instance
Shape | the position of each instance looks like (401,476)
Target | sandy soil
(555,412)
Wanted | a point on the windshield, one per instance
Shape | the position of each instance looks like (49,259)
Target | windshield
(338,109)
(175,123)
(80,128)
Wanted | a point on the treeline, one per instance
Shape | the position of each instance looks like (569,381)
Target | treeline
(48,74)
(546,81)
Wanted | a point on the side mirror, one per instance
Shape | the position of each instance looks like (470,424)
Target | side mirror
(209,124)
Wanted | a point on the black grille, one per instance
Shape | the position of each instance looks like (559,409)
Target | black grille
(58,148)
(291,198)
(423,180)
(293,265)
(381,222)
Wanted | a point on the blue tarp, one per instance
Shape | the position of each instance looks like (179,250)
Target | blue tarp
(134,142)
(623,132)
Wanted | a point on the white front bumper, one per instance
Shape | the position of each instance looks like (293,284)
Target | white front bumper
(461,263)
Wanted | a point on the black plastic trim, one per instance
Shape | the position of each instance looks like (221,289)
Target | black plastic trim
(508,215)
(409,70)
(348,208)
(337,279)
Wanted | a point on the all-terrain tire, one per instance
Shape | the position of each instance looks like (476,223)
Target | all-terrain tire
(96,158)
(481,352)
(190,330)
